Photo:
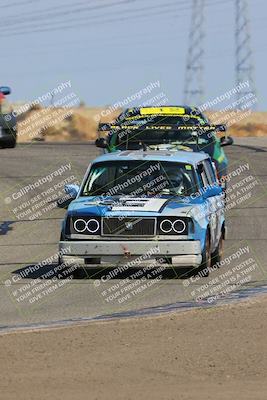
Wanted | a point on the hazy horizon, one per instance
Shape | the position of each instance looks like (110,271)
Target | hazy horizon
(110,50)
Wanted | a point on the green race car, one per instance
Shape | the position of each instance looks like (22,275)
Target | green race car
(168,127)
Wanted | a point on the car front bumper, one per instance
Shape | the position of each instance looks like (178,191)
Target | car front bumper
(182,253)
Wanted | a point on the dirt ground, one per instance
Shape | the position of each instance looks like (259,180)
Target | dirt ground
(218,353)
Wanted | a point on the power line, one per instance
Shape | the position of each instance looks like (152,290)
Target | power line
(37,12)
(51,10)
(63,12)
(93,17)
(244,65)
(17,3)
(93,23)
(67,27)
(194,90)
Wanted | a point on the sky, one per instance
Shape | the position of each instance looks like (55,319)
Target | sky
(111,49)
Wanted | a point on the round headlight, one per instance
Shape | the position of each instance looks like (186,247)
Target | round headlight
(166,226)
(80,225)
(92,225)
(179,226)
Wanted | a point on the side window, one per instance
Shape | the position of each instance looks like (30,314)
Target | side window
(203,175)
(210,172)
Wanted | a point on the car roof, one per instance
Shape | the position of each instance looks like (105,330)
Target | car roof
(186,157)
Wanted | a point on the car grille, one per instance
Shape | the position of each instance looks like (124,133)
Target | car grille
(129,226)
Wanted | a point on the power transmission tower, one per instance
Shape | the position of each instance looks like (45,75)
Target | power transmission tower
(194,90)
(244,64)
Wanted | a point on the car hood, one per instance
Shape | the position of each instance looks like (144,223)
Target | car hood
(129,206)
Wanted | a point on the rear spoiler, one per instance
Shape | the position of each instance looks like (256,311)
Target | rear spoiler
(104,127)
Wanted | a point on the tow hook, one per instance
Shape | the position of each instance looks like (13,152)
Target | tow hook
(126,252)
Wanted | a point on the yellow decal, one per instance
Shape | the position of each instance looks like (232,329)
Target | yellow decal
(162,110)
(188,167)
(221,158)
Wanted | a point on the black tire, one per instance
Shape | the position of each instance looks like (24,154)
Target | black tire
(62,237)
(10,144)
(203,269)
(217,255)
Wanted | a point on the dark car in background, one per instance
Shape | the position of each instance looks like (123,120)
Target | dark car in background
(8,121)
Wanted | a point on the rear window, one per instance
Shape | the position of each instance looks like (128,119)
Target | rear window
(162,120)
(125,138)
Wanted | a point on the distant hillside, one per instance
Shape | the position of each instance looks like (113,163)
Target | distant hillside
(241,123)
(59,124)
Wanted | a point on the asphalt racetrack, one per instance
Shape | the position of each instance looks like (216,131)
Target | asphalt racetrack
(34,291)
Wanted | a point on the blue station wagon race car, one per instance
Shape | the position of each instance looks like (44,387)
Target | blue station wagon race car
(133,201)
(167,127)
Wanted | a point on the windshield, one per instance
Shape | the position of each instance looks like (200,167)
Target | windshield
(188,120)
(132,139)
(139,178)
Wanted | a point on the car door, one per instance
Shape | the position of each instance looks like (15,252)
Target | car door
(213,204)
(216,202)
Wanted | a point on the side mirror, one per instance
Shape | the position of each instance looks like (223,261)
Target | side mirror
(212,191)
(101,142)
(221,128)
(226,141)
(72,190)
(5,90)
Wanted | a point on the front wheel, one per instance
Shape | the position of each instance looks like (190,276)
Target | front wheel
(203,269)
(217,255)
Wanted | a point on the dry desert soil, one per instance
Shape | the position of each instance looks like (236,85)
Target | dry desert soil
(218,353)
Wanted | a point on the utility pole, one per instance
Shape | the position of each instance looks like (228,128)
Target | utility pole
(244,64)
(194,89)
